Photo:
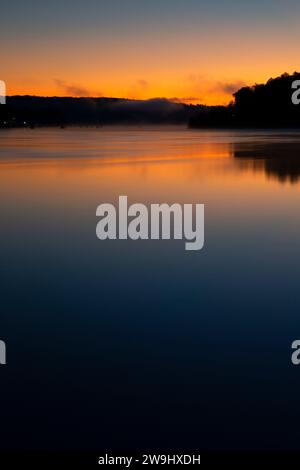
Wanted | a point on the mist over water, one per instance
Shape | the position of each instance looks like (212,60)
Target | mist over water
(140,344)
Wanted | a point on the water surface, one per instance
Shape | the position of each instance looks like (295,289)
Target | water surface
(141,344)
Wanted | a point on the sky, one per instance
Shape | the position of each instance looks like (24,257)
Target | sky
(193,51)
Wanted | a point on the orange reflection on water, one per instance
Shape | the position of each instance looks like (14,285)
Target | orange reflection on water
(71,168)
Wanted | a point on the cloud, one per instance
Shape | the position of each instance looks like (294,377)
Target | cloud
(143,83)
(186,99)
(137,89)
(71,89)
(206,86)
(229,87)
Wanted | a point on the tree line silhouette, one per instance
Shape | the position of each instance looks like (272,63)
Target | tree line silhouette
(262,105)
(35,111)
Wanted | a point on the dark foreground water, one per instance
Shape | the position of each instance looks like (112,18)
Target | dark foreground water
(135,345)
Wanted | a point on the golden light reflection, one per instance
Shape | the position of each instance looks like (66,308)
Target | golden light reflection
(154,166)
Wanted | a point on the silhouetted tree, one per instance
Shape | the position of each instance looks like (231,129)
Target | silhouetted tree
(267,105)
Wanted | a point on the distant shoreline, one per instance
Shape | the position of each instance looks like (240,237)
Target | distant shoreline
(265,106)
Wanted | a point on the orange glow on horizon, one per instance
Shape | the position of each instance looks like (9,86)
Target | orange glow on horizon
(192,66)
(189,90)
